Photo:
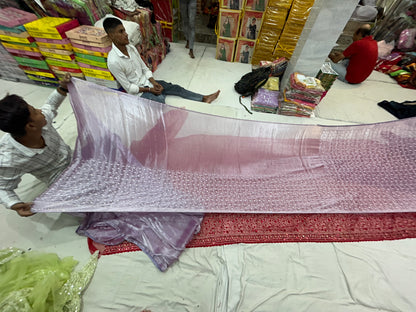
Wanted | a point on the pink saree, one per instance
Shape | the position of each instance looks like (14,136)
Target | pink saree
(141,156)
(149,170)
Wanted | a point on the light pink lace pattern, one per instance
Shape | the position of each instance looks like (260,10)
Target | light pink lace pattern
(137,155)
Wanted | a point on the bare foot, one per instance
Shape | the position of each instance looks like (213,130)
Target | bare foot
(191,53)
(211,97)
(187,44)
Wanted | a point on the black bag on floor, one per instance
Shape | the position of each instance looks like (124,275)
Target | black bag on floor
(251,82)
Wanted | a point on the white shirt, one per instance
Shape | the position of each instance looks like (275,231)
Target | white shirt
(46,163)
(130,71)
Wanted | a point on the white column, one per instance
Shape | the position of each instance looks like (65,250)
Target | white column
(325,24)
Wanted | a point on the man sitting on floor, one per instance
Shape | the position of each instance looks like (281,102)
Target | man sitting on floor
(131,72)
(31,145)
(358,61)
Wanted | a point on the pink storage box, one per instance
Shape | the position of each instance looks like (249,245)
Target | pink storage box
(53,41)
(91,48)
(11,17)
(23,52)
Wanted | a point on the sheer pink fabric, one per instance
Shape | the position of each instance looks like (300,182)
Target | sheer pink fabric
(142,156)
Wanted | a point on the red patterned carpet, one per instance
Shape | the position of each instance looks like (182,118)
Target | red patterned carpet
(224,229)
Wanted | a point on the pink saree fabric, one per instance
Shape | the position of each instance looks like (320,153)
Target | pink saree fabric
(134,155)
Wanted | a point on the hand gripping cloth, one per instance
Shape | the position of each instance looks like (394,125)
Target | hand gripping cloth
(134,155)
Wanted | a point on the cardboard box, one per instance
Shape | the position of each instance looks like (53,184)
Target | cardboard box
(89,34)
(16,39)
(40,73)
(60,74)
(229,21)
(92,57)
(56,51)
(101,74)
(251,24)
(225,49)
(62,63)
(44,80)
(90,62)
(23,34)
(54,41)
(55,68)
(51,27)
(11,17)
(31,63)
(17,29)
(244,50)
(24,68)
(58,56)
(88,52)
(55,46)
(259,5)
(93,44)
(23,53)
(24,47)
(90,48)
(232,4)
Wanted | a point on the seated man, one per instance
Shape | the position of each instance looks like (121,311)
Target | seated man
(132,73)
(31,145)
(358,61)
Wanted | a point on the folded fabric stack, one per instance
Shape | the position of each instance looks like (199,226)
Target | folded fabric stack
(278,66)
(54,46)
(152,47)
(266,99)
(301,96)
(91,46)
(18,47)
(87,12)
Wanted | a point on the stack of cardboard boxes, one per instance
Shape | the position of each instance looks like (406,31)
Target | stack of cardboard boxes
(18,50)
(91,46)
(54,46)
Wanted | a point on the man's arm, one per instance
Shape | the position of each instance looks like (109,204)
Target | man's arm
(336,57)
(121,77)
(56,98)
(157,88)
(119,73)
(9,179)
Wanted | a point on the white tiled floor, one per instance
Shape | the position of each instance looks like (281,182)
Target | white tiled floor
(344,104)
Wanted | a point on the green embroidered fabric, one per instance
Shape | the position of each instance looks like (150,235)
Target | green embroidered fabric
(41,282)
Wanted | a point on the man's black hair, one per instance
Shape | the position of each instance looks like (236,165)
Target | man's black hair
(14,115)
(110,23)
(364,31)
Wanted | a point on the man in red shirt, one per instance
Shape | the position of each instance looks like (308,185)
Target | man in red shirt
(357,62)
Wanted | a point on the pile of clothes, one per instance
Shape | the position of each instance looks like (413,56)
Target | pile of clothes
(266,99)
(401,66)
(301,96)
(86,12)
